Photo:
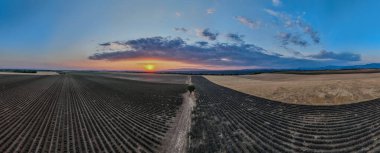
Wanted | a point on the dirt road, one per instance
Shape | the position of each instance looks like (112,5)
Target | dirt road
(178,141)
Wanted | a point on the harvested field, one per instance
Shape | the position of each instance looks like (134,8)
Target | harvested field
(77,113)
(91,113)
(326,89)
(148,77)
(225,120)
(38,73)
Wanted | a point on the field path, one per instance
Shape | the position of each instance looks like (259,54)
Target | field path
(188,81)
(178,141)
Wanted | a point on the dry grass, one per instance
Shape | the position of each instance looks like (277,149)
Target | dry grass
(327,89)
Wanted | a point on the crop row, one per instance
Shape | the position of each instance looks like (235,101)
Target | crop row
(74,113)
(225,120)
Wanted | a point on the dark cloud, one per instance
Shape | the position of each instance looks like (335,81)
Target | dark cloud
(235,37)
(336,56)
(207,34)
(105,44)
(289,38)
(181,29)
(114,46)
(218,54)
(202,43)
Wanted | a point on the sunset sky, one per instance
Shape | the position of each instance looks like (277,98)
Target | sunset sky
(176,34)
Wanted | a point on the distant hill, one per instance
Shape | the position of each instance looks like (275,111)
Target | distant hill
(257,71)
(184,69)
(220,72)
(365,66)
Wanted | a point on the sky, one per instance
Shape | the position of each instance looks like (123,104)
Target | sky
(183,34)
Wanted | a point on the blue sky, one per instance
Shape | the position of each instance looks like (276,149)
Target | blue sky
(253,33)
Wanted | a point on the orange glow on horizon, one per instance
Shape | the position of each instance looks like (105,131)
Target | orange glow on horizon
(140,64)
(149,67)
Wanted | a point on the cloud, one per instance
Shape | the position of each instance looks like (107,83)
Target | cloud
(296,24)
(336,56)
(283,17)
(178,14)
(289,38)
(312,33)
(225,59)
(210,11)
(235,37)
(248,22)
(202,43)
(217,54)
(276,2)
(105,44)
(207,34)
(181,29)
(113,46)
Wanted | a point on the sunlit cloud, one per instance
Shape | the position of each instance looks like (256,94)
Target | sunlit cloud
(225,59)
(250,23)
(210,11)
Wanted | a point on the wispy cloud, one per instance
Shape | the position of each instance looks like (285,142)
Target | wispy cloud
(210,11)
(276,2)
(178,14)
(312,33)
(297,28)
(250,23)
(285,18)
(181,29)
(206,34)
(218,54)
(289,38)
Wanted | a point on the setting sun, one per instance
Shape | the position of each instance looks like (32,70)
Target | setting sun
(149,67)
